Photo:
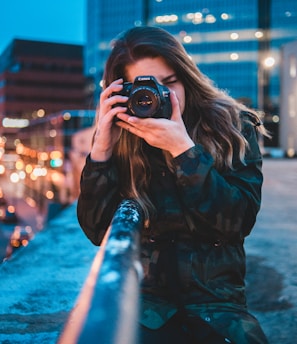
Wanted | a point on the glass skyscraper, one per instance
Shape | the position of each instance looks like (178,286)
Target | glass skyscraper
(236,43)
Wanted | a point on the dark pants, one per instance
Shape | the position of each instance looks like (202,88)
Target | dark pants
(177,331)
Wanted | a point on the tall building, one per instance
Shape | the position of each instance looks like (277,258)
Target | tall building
(236,43)
(288,106)
(37,79)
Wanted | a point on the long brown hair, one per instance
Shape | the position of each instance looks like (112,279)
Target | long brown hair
(212,117)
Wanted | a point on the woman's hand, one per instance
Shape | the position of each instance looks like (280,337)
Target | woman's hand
(107,133)
(170,135)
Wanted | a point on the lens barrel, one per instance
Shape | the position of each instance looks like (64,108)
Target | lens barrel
(144,101)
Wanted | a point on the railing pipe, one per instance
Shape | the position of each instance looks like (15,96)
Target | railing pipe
(111,316)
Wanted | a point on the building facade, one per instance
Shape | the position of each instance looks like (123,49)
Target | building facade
(37,79)
(288,106)
(51,153)
(236,43)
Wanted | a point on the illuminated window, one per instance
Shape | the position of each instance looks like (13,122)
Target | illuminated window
(210,19)
(234,35)
(234,56)
(225,16)
(187,39)
(293,67)
(259,34)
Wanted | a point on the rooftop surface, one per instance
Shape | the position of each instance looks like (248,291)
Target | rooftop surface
(41,283)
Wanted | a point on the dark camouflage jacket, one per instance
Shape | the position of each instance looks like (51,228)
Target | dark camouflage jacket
(205,213)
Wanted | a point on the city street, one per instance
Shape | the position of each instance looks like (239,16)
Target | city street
(28,213)
(40,285)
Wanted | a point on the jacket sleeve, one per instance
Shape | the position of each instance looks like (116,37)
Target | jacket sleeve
(221,204)
(98,199)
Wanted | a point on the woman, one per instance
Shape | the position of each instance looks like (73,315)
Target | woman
(197,176)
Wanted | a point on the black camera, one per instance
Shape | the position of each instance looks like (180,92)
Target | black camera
(147,98)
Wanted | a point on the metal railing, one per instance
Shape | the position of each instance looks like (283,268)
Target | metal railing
(107,309)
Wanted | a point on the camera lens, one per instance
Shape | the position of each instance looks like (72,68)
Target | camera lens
(144,102)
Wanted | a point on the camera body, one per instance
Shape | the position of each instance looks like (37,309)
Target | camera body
(147,98)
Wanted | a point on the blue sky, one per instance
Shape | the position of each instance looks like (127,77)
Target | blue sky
(48,20)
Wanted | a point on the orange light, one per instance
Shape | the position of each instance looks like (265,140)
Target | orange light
(11,209)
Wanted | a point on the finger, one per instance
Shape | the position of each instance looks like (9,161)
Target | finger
(123,116)
(114,87)
(115,101)
(134,120)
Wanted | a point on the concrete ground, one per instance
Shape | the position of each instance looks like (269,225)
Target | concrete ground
(272,254)
(40,284)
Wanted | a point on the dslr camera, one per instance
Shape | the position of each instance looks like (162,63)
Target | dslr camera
(147,98)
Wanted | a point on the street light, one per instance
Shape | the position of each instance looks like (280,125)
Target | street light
(263,66)
(269,62)
(263,81)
